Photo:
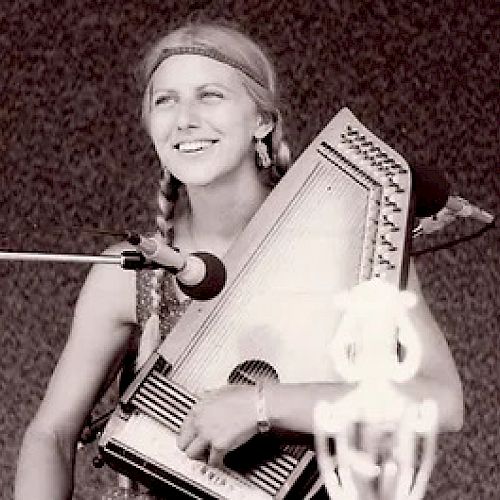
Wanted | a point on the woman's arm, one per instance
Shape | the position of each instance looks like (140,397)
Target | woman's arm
(100,333)
(437,378)
(227,418)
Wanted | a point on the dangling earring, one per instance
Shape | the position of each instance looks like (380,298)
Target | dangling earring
(262,153)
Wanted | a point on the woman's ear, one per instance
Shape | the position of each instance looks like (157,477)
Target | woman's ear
(264,126)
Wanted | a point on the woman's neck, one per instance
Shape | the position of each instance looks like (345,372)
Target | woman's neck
(216,214)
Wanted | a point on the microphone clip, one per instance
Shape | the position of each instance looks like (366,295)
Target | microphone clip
(455,208)
(135,261)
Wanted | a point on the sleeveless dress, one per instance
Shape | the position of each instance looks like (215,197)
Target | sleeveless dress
(170,310)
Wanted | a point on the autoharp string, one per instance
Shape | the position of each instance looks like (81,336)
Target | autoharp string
(313,213)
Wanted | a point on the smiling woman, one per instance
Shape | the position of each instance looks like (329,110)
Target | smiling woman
(210,108)
(203,122)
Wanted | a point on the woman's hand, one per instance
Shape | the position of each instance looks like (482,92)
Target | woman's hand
(220,422)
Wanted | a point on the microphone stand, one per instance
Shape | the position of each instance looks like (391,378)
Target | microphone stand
(128,259)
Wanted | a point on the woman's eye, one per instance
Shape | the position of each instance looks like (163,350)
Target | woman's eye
(164,100)
(211,95)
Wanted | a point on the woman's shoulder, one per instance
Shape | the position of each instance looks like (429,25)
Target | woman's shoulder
(117,248)
(110,286)
(106,271)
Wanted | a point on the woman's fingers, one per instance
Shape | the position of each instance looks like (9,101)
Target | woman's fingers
(197,444)
(198,448)
(218,423)
(187,432)
(216,456)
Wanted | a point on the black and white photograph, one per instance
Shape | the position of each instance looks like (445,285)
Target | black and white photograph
(249,250)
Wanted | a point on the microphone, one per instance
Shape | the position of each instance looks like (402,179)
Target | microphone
(200,275)
(431,191)
(436,207)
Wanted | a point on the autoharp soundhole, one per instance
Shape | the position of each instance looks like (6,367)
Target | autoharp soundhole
(252,371)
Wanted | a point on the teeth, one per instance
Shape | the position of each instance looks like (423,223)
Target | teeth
(194,145)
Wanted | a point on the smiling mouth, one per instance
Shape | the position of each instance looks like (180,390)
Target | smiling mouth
(195,146)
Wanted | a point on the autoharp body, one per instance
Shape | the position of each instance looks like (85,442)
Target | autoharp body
(338,217)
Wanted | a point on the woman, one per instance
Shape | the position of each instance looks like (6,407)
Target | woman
(210,109)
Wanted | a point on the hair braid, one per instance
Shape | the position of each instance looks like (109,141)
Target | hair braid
(168,194)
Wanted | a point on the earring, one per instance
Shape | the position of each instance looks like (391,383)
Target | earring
(262,153)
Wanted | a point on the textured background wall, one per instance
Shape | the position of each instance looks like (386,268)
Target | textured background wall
(422,75)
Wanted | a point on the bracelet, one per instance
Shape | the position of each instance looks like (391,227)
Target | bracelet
(263,423)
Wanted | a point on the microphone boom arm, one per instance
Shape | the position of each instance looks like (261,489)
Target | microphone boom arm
(201,275)
(128,259)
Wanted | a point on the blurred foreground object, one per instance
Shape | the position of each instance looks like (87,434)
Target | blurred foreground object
(384,442)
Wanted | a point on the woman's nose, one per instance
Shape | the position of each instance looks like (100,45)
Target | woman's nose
(187,116)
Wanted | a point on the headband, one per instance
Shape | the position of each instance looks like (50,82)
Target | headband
(212,53)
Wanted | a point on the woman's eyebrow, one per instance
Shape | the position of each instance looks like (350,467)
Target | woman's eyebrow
(164,89)
(161,89)
(172,90)
(215,84)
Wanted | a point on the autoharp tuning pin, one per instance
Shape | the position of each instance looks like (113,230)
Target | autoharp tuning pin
(389,223)
(391,204)
(383,259)
(386,240)
(345,140)
(386,178)
(352,132)
(393,183)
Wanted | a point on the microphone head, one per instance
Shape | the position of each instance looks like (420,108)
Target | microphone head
(431,191)
(213,282)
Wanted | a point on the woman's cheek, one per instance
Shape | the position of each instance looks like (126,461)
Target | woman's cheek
(160,130)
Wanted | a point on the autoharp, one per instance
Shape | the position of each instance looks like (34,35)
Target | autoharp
(339,216)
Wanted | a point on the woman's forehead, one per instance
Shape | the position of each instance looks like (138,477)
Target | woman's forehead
(194,70)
